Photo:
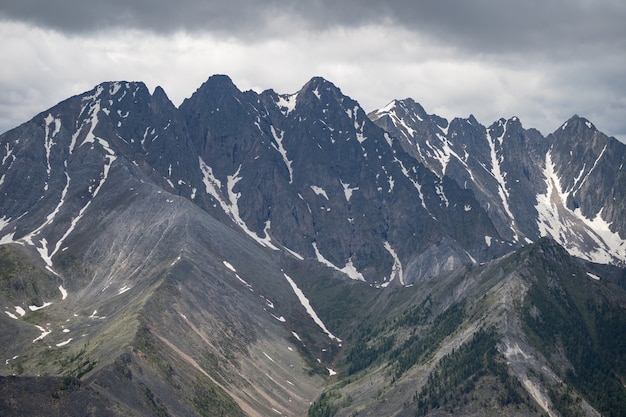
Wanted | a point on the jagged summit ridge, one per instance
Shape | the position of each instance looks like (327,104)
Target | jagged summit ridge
(510,170)
(240,155)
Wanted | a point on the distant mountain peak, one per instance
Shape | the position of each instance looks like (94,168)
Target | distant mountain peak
(216,86)
(320,90)
(318,82)
(576,122)
(219,79)
(160,99)
(115,88)
(407,105)
(159,92)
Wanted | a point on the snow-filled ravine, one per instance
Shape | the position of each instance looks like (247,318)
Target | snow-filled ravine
(309,309)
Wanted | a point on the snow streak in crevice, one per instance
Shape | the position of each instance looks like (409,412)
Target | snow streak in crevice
(278,137)
(93,108)
(350,270)
(319,191)
(49,143)
(417,186)
(446,153)
(309,309)
(578,183)
(499,176)
(42,244)
(396,269)
(213,187)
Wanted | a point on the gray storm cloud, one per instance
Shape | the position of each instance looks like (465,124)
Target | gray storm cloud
(485,25)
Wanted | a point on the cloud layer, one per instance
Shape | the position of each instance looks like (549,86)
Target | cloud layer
(539,60)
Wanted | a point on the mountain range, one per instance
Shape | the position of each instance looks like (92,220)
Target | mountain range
(257,254)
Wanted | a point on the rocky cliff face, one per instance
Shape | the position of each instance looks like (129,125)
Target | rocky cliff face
(311,173)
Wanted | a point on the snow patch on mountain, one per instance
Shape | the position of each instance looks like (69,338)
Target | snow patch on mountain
(13,316)
(280,319)
(64,343)
(278,137)
(44,333)
(116,86)
(8,238)
(92,122)
(229,266)
(109,159)
(593,276)
(244,282)
(396,269)
(590,239)
(319,191)
(417,186)
(8,154)
(42,245)
(213,187)
(350,270)
(309,309)
(497,173)
(294,253)
(445,153)
(4,221)
(287,103)
(52,127)
(399,122)
(440,192)
(578,182)
(48,140)
(36,308)
(383,111)
(348,190)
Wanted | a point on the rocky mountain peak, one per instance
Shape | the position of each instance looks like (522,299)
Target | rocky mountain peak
(326,100)
(218,84)
(318,85)
(577,125)
(409,109)
(117,91)
(160,100)
(216,94)
(503,128)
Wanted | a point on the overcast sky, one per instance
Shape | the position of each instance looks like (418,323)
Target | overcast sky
(540,60)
